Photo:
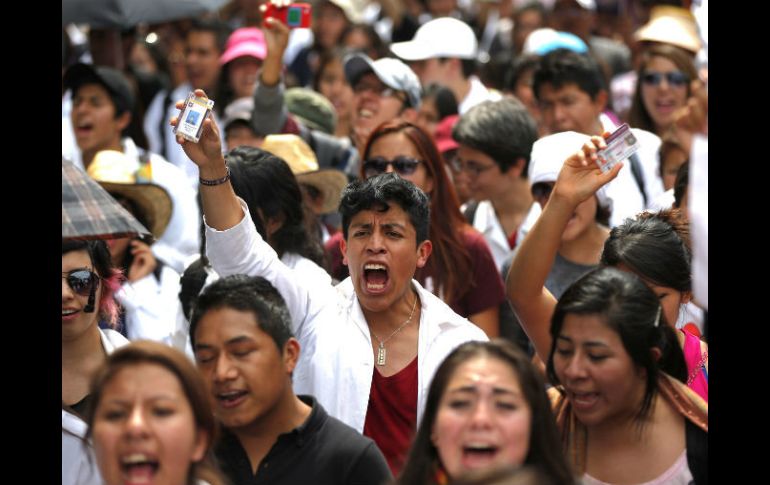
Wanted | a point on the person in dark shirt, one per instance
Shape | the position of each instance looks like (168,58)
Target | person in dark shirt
(244,348)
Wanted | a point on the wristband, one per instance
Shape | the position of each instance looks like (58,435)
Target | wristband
(216,181)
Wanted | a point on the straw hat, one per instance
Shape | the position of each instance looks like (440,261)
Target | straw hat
(671,25)
(120,175)
(303,163)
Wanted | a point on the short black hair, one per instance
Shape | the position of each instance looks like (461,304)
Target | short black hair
(680,184)
(376,193)
(220,30)
(562,67)
(252,294)
(504,130)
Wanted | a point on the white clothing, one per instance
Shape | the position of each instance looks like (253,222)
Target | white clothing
(173,152)
(698,207)
(69,146)
(477,94)
(181,238)
(486,222)
(627,200)
(662,202)
(78,465)
(154,311)
(336,363)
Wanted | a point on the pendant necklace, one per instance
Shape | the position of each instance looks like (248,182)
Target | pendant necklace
(381,352)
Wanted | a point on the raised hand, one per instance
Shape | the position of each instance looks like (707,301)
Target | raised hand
(144,261)
(207,153)
(580,176)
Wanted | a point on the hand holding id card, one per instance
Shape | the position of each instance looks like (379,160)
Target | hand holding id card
(620,145)
(196,110)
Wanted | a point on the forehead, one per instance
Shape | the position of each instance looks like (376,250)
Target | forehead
(144,376)
(589,328)
(567,89)
(91,90)
(75,259)
(202,39)
(485,370)
(394,215)
(369,79)
(393,144)
(219,325)
(464,152)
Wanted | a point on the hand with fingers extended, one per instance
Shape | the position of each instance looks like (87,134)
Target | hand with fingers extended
(277,39)
(207,153)
(580,176)
(143,263)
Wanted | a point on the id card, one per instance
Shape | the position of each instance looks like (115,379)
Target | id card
(191,119)
(620,145)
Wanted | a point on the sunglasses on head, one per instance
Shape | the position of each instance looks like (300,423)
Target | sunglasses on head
(402,164)
(81,281)
(674,78)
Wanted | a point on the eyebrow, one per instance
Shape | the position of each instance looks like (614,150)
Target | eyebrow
(590,343)
(474,390)
(153,398)
(386,225)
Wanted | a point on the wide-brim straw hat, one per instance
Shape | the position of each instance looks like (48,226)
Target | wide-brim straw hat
(671,25)
(120,175)
(304,165)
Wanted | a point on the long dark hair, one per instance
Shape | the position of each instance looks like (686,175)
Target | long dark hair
(266,182)
(631,309)
(544,448)
(450,263)
(110,277)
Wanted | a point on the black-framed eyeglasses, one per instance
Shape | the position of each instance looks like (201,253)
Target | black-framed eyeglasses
(402,164)
(81,280)
(472,167)
(674,78)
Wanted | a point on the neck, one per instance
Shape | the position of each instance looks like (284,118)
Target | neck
(461,87)
(515,199)
(83,348)
(88,155)
(388,320)
(343,128)
(587,248)
(259,436)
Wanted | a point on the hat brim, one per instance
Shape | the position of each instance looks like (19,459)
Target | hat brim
(330,183)
(243,50)
(412,50)
(152,199)
(669,31)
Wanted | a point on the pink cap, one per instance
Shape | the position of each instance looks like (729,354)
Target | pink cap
(443,135)
(246,41)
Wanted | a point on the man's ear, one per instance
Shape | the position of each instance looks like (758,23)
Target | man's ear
(516,170)
(600,102)
(123,120)
(423,252)
(344,251)
(291,351)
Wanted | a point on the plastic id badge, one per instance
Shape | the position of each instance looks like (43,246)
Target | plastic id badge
(195,111)
(620,145)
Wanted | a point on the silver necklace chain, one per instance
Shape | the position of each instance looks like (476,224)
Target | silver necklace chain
(381,353)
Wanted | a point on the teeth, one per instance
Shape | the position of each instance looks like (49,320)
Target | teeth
(68,312)
(135,458)
(476,446)
(365,113)
(228,395)
(373,286)
(374,266)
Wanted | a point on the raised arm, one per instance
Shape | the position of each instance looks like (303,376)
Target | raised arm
(578,180)
(220,205)
(270,112)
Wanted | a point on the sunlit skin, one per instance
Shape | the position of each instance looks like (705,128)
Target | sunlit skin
(483,419)
(602,382)
(144,429)
(663,100)
(387,240)
(202,60)
(242,75)
(94,122)
(75,322)
(395,144)
(244,371)
(489,183)
(570,109)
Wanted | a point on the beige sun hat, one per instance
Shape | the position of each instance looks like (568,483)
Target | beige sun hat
(303,163)
(121,175)
(671,25)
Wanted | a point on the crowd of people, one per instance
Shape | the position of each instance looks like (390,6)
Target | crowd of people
(392,256)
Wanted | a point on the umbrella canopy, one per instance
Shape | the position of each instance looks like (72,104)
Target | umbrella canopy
(128,13)
(89,212)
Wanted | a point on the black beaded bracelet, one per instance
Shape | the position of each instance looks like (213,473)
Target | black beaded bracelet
(216,181)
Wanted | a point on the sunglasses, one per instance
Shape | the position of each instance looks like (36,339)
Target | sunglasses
(402,164)
(81,281)
(674,78)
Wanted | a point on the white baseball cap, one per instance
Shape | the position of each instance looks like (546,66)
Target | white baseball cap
(442,37)
(548,156)
(392,72)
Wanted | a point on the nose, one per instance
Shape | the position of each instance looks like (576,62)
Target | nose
(389,168)
(137,425)
(482,415)
(66,291)
(575,368)
(224,370)
(375,243)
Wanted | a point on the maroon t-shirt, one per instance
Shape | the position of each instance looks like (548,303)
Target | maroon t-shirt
(391,418)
